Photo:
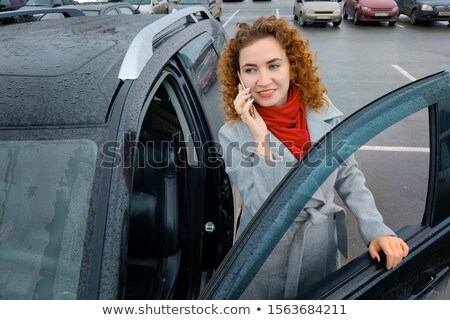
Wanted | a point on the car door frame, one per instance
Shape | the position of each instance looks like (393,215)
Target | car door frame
(280,209)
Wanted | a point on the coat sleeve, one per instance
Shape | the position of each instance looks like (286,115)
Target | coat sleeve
(254,176)
(351,187)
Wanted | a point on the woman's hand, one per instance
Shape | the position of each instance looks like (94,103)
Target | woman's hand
(394,248)
(258,128)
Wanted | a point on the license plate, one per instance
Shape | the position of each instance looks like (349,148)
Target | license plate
(379,14)
(444,13)
(324,17)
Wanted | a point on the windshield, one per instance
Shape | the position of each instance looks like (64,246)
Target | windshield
(194,2)
(45,189)
(320,0)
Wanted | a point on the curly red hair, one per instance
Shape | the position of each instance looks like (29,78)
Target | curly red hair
(302,70)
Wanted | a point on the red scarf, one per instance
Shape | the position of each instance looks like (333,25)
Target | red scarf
(288,123)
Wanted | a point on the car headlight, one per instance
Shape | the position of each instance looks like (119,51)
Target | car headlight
(395,9)
(363,8)
(337,11)
(310,11)
(426,7)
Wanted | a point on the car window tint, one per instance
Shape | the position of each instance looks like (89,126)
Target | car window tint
(45,191)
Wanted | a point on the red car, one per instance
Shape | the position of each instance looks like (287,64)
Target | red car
(371,10)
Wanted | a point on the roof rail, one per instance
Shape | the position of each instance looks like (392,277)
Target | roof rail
(141,48)
(67,12)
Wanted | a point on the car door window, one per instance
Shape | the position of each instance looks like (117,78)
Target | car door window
(395,164)
(300,185)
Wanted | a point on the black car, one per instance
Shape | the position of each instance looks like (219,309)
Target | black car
(425,10)
(112,182)
(127,198)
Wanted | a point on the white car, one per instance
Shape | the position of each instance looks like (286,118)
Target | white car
(317,11)
(150,6)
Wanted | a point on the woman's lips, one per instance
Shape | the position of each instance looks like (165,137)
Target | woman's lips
(266,94)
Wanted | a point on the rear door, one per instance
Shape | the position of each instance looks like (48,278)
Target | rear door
(427,265)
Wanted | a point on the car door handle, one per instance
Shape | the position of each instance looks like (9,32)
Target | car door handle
(427,282)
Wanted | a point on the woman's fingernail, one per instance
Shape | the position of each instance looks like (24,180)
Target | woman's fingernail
(251,99)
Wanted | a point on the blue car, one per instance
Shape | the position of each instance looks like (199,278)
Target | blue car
(425,10)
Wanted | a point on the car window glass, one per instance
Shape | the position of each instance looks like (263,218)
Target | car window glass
(52,15)
(200,57)
(124,10)
(395,164)
(443,174)
(43,216)
(112,12)
(91,12)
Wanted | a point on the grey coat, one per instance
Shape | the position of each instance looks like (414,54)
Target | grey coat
(310,248)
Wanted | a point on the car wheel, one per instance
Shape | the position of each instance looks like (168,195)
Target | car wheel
(413,18)
(301,22)
(345,16)
(295,16)
(392,23)
(355,18)
(337,23)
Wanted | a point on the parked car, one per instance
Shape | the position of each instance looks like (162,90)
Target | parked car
(371,11)
(8,5)
(112,182)
(425,10)
(214,6)
(102,229)
(106,9)
(317,11)
(150,6)
(36,14)
(48,3)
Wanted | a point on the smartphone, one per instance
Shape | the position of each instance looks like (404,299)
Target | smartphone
(252,108)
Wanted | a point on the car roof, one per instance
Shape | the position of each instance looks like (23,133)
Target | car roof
(76,59)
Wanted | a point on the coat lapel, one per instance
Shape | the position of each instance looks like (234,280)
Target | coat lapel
(320,123)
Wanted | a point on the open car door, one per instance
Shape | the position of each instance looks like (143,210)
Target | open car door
(363,278)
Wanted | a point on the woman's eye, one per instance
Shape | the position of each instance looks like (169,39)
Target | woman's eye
(274,66)
(249,70)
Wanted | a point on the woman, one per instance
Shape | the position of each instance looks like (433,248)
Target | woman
(269,126)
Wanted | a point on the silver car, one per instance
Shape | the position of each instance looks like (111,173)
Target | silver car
(214,6)
(317,11)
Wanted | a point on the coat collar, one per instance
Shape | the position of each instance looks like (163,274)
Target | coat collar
(320,122)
